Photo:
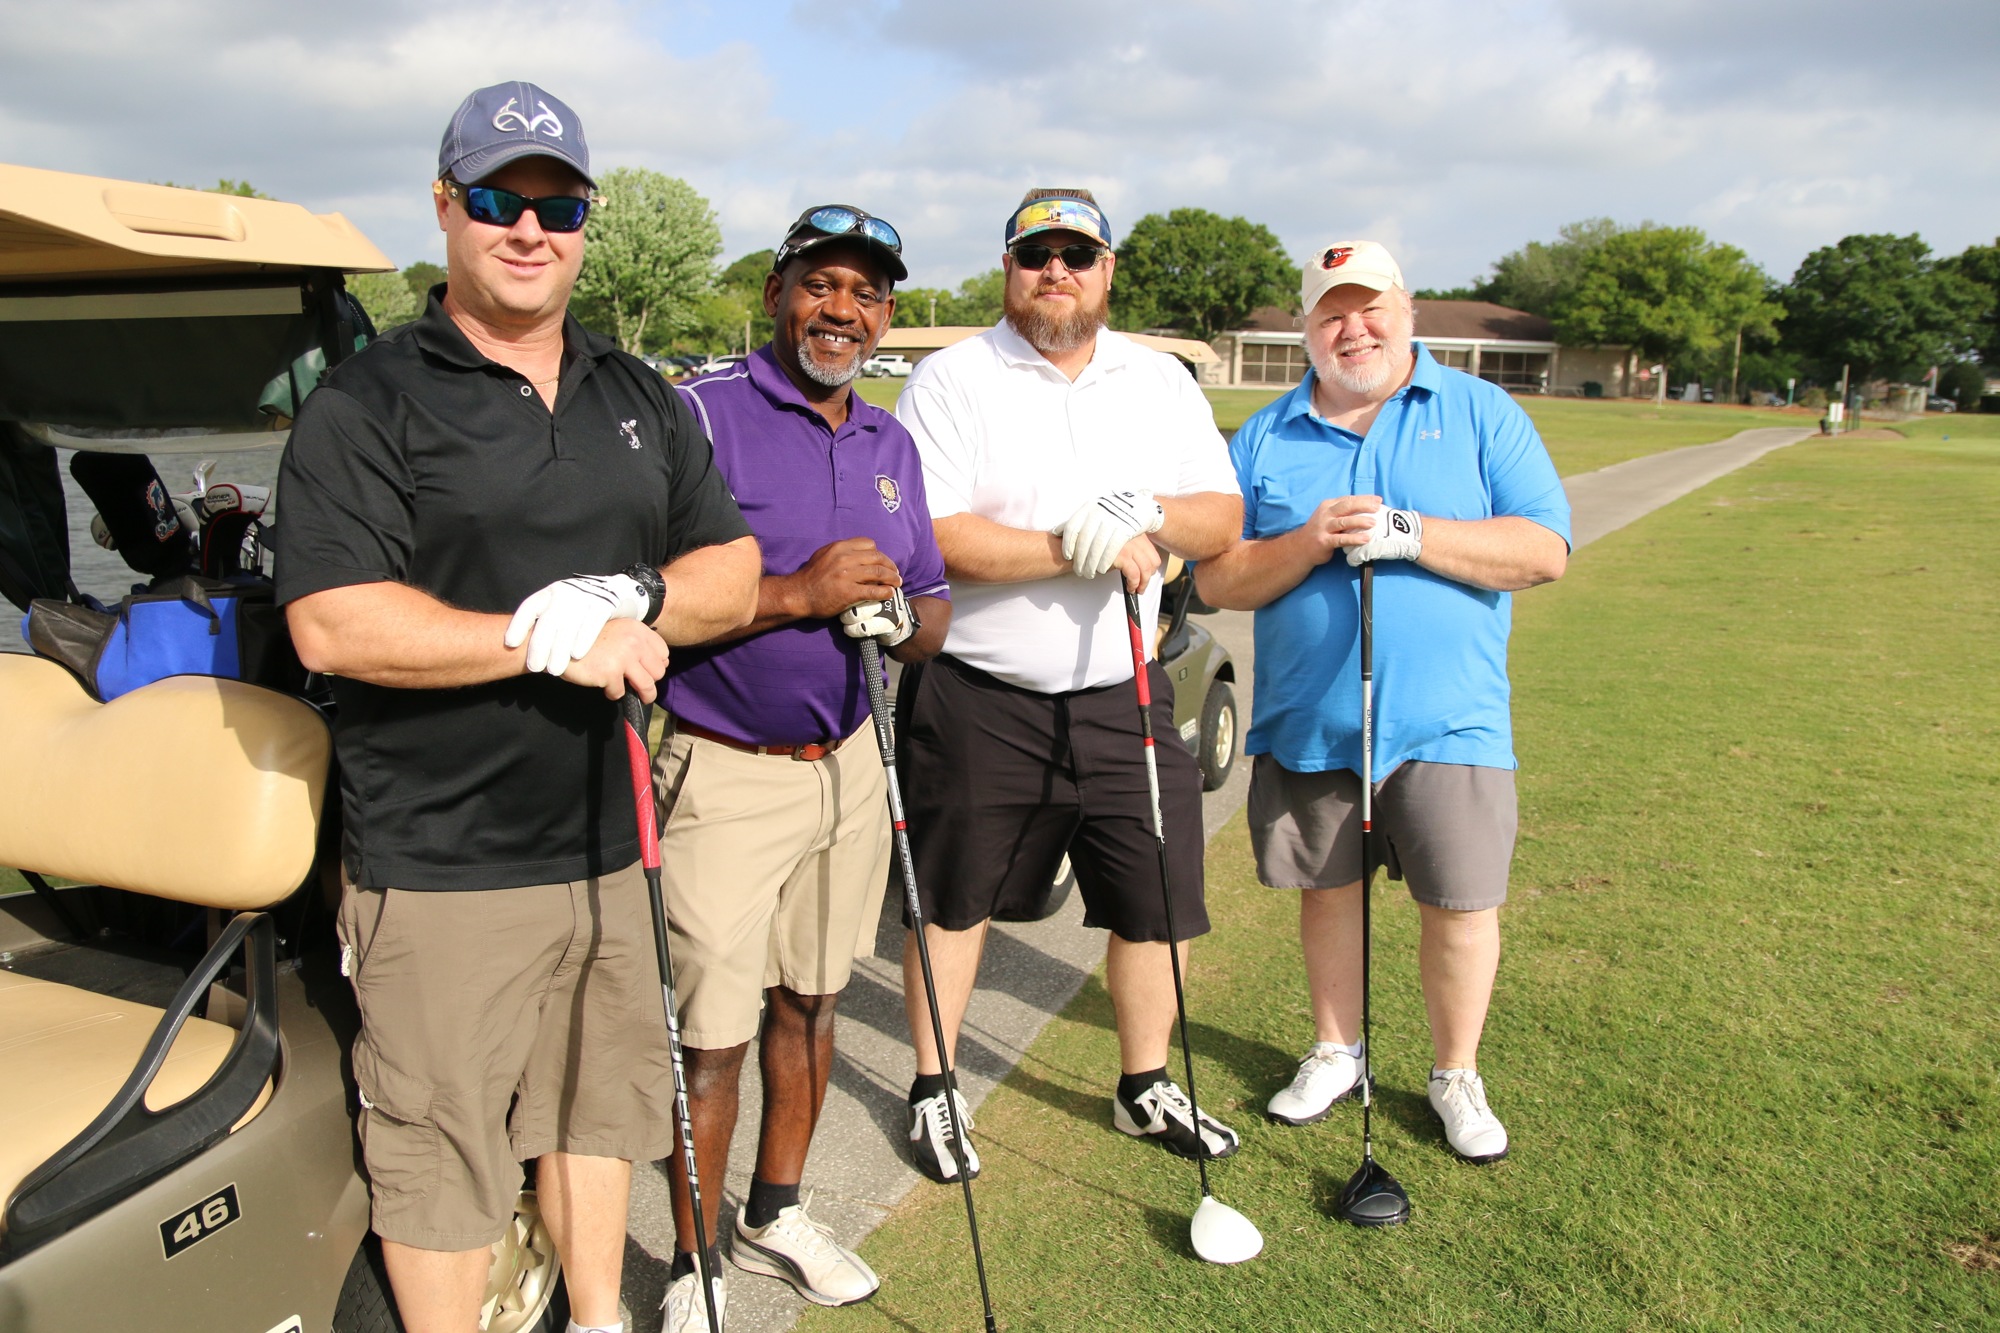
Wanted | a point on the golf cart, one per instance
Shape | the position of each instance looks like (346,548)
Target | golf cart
(177,1147)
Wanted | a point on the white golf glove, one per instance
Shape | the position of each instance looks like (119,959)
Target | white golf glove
(1094,534)
(1398,534)
(888,623)
(567,616)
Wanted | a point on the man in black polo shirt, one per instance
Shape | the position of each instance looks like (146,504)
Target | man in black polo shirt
(458,502)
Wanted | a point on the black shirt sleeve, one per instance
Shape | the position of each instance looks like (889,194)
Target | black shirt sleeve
(345,501)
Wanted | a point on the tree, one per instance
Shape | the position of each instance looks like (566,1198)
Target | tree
(978,303)
(241,189)
(1980,264)
(1541,277)
(1670,292)
(1964,382)
(1880,305)
(1199,272)
(422,276)
(386,297)
(649,258)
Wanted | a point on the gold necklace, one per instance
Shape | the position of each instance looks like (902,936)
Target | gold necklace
(543,384)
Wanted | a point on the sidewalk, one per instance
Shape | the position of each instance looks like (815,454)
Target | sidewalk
(1030,972)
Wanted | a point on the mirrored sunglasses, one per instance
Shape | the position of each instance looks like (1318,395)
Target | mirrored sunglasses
(839,220)
(1078,258)
(503,208)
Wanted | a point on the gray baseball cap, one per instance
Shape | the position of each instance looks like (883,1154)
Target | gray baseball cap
(507,122)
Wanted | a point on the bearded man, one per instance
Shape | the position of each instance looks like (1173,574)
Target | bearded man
(1060,460)
(1439,478)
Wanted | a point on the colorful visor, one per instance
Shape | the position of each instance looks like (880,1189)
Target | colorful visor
(1059,214)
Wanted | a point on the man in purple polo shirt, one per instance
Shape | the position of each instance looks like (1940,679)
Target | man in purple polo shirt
(775,824)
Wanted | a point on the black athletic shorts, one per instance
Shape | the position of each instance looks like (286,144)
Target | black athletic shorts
(1000,782)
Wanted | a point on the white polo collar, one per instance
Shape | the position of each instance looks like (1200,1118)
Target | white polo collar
(1114,352)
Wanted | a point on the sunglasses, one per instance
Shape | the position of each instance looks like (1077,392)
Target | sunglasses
(838,220)
(1078,258)
(503,208)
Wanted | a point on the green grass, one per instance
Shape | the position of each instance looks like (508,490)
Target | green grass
(1955,428)
(1747,1030)
(1582,435)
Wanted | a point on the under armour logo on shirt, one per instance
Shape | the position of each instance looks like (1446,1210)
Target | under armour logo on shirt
(1430,434)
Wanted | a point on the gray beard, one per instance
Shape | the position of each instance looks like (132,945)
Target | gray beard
(1052,334)
(1393,355)
(819,374)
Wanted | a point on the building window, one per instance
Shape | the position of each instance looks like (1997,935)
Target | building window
(1515,370)
(1273,363)
(1458,358)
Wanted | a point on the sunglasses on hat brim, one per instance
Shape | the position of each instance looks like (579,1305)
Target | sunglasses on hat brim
(837,220)
(1079,257)
(503,208)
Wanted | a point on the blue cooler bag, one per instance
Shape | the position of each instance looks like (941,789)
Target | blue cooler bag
(190,626)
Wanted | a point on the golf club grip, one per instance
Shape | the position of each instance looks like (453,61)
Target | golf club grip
(1145,684)
(640,758)
(878,701)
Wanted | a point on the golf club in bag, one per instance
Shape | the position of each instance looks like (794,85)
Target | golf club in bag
(1219,1233)
(641,757)
(1371,1197)
(885,740)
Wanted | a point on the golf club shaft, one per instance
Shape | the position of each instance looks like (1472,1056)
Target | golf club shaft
(885,741)
(1145,689)
(641,758)
(1367,852)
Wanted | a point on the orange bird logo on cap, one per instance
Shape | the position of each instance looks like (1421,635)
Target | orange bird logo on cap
(1336,256)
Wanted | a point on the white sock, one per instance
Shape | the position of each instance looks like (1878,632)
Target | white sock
(1327,1049)
(575,1327)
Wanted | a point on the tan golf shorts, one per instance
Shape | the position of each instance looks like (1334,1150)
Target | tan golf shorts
(498,1025)
(774,869)
(1446,830)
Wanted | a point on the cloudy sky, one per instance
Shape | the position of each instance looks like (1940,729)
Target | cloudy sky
(1453,130)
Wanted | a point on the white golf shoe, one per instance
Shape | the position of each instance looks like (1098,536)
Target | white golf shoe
(795,1248)
(686,1311)
(1470,1127)
(1326,1075)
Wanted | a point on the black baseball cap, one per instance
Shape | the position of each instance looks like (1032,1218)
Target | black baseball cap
(505,123)
(824,224)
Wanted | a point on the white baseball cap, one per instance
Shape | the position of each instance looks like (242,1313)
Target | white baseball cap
(1362,263)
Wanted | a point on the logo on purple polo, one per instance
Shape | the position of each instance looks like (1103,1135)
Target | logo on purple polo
(892,495)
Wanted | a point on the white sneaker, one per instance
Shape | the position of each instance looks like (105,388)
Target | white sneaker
(1325,1076)
(1163,1114)
(931,1142)
(804,1253)
(686,1311)
(1470,1127)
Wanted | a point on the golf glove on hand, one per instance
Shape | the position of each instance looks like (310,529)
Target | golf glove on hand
(1096,533)
(1398,534)
(888,623)
(567,616)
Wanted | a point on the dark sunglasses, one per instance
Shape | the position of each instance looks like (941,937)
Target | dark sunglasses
(1079,258)
(503,208)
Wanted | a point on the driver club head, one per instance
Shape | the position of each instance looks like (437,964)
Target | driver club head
(1372,1198)
(1222,1235)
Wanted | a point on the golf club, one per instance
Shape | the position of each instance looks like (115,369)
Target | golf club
(1371,1197)
(1220,1234)
(885,740)
(641,757)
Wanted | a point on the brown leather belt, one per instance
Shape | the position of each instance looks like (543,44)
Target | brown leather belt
(808,752)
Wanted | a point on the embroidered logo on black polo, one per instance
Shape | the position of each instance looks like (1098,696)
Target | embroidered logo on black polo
(892,495)
(631,430)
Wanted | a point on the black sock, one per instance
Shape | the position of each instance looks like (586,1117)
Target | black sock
(765,1201)
(684,1263)
(1131,1085)
(926,1087)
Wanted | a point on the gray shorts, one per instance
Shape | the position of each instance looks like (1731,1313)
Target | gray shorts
(1447,830)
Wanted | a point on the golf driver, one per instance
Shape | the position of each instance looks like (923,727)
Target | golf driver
(641,757)
(885,740)
(1219,1233)
(1371,1197)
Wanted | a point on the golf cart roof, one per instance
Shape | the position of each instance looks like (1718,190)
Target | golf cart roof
(56,226)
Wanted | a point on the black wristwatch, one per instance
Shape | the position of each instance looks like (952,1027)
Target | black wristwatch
(648,577)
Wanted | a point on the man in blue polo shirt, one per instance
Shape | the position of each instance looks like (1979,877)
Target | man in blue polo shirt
(775,822)
(1438,478)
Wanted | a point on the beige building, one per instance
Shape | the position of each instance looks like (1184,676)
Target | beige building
(1512,348)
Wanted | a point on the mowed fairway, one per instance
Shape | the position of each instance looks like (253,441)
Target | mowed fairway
(1747,1033)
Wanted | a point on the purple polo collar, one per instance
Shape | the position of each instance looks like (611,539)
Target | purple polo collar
(772,381)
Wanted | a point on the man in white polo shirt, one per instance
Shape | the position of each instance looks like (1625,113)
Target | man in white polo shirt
(1060,460)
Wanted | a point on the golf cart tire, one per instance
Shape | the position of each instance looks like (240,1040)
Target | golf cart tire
(1218,736)
(367,1304)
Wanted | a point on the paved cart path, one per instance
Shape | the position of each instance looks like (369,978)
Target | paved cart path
(857,1168)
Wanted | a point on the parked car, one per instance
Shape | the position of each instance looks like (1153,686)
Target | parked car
(177,1147)
(713,364)
(893,364)
(1937,402)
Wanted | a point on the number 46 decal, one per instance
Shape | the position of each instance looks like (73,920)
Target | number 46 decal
(200,1222)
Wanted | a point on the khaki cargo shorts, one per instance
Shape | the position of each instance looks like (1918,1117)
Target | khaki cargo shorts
(1447,830)
(498,1025)
(774,872)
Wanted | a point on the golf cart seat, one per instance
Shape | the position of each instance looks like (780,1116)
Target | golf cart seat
(194,789)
